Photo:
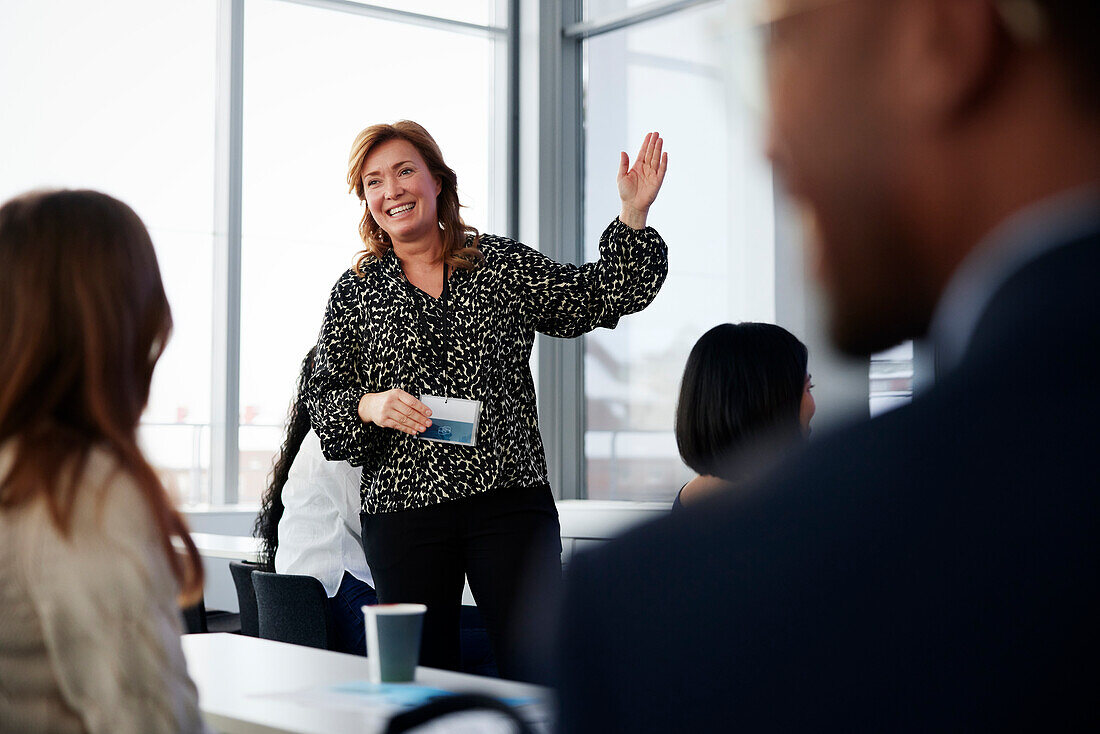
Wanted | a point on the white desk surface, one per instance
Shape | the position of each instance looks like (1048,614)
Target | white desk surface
(604,519)
(229,547)
(247,686)
(579,519)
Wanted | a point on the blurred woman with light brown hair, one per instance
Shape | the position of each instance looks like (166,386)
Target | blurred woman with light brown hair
(91,584)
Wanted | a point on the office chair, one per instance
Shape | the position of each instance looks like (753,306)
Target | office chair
(246,596)
(294,609)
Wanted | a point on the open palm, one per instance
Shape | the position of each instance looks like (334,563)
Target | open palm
(639,184)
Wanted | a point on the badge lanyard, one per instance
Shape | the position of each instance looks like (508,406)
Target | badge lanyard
(446,329)
(453,422)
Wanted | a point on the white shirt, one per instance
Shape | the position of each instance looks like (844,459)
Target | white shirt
(319,533)
(1046,225)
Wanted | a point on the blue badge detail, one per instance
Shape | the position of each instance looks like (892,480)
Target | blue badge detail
(451,431)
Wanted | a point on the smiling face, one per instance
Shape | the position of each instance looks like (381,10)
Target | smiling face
(401,191)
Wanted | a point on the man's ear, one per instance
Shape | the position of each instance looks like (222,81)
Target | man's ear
(950,52)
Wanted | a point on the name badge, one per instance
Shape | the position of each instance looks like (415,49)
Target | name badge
(454,420)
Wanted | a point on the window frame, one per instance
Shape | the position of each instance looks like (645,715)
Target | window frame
(561,381)
(552,204)
(541,106)
(844,384)
(229,139)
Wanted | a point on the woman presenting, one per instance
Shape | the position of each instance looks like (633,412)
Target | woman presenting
(423,378)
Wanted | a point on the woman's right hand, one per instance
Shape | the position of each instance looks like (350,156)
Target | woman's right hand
(639,184)
(395,409)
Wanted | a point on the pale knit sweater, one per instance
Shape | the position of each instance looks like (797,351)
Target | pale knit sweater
(89,622)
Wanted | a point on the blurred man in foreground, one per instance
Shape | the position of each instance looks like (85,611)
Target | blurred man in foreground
(937,568)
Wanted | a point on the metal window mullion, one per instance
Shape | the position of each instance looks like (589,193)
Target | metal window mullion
(512,201)
(403,16)
(503,204)
(924,365)
(790,270)
(561,230)
(630,16)
(843,383)
(229,129)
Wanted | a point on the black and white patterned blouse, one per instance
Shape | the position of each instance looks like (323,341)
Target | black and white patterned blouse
(381,332)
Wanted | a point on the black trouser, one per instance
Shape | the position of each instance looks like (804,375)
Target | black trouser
(499,540)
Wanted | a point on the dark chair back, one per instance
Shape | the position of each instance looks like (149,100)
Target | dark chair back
(197,618)
(194,617)
(294,609)
(246,596)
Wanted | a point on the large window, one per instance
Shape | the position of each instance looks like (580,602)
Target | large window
(715,212)
(119,97)
(226,124)
(133,97)
(304,102)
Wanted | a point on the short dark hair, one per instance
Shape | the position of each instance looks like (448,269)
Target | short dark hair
(742,383)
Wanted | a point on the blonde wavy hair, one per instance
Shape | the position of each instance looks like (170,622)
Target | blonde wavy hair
(456,234)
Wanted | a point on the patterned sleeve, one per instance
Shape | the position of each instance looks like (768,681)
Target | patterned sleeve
(337,384)
(569,300)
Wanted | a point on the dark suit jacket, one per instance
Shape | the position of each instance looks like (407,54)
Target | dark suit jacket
(934,569)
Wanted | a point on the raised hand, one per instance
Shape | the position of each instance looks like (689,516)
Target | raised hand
(639,184)
(395,409)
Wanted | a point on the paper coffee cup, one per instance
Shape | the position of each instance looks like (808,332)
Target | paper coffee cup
(393,641)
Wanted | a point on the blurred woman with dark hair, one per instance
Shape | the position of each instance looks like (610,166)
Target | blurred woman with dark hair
(745,395)
(91,582)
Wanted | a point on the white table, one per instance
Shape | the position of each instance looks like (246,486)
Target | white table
(248,685)
(228,547)
(580,520)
